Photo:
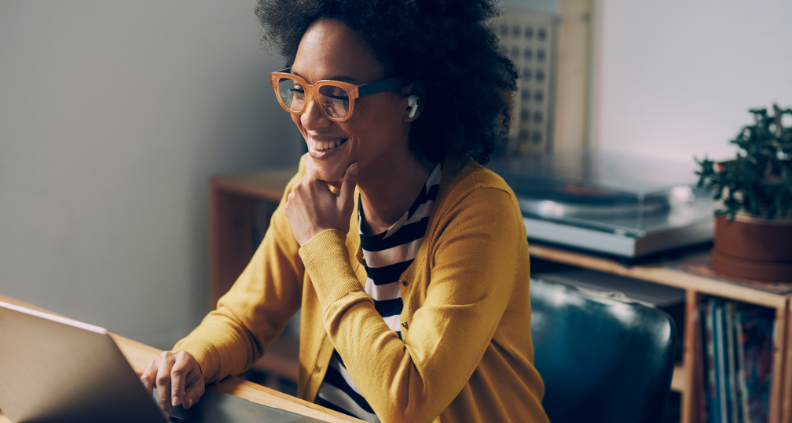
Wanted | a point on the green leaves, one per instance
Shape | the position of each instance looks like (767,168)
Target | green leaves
(759,179)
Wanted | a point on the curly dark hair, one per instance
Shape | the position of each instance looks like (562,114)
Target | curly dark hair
(444,45)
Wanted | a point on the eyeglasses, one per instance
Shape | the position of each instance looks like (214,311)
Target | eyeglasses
(336,99)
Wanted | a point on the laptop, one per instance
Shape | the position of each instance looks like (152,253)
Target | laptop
(54,369)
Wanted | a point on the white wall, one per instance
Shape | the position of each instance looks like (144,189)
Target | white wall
(675,78)
(113,117)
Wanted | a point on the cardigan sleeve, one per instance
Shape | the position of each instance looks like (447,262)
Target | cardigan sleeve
(475,250)
(256,308)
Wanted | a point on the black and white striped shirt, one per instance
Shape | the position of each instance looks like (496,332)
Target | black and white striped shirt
(387,255)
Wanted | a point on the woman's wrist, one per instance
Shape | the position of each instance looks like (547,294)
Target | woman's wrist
(327,262)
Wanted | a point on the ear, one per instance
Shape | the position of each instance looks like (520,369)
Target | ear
(406,92)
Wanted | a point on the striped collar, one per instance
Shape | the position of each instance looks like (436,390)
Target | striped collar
(432,180)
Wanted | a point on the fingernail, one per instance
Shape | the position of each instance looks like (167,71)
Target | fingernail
(188,403)
(175,401)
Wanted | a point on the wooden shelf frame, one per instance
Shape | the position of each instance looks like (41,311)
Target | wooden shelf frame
(233,200)
(234,196)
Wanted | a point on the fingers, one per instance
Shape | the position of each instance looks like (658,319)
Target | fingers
(194,392)
(166,361)
(348,189)
(309,172)
(147,376)
(178,379)
(349,181)
(187,383)
(312,206)
(186,376)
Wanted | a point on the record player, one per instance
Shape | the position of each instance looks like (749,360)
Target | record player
(611,203)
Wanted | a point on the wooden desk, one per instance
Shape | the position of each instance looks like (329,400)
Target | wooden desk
(140,355)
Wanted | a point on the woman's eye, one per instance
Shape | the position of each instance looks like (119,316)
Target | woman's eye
(338,94)
(333,91)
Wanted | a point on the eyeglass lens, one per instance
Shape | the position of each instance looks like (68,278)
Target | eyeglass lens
(333,100)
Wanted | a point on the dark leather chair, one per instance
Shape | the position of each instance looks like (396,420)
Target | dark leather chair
(602,360)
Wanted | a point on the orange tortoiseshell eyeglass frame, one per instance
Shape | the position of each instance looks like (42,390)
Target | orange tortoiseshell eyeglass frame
(312,91)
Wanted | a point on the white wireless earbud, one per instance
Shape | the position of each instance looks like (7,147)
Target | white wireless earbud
(412,102)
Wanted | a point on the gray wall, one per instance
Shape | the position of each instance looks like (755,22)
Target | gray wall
(675,78)
(113,117)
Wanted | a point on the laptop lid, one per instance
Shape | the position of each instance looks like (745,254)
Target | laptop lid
(57,369)
(54,369)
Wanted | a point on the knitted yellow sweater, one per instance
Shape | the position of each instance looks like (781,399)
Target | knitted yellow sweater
(465,354)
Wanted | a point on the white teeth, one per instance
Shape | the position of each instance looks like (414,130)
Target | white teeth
(326,145)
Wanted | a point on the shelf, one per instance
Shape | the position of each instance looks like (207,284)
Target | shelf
(662,274)
(679,380)
(267,185)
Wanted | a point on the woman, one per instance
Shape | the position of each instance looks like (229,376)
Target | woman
(408,259)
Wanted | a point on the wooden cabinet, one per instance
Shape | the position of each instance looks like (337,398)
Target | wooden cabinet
(240,209)
(242,203)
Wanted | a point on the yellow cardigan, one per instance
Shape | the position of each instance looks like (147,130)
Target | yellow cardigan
(466,353)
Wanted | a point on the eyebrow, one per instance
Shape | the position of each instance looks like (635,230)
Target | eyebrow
(342,78)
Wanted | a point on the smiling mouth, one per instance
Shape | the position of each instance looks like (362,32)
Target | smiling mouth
(328,145)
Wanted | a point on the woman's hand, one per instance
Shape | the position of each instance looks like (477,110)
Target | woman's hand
(178,379)
(312,208)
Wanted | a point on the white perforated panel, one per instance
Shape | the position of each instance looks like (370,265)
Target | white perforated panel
(528,38)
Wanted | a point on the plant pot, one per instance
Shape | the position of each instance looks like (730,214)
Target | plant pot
(753,248)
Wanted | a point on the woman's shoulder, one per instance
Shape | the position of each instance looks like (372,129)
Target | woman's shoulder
(468,188)
(474,197)
(461,176)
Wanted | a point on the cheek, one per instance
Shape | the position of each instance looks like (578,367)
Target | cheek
(355,140)
(371,138)
(298,122)
(363,130)
(354,146)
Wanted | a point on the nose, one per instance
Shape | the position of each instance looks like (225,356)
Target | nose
(313,118)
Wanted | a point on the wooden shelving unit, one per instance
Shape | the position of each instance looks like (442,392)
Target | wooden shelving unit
(697,289)
(237,201)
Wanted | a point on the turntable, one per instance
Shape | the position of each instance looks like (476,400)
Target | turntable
(616,204)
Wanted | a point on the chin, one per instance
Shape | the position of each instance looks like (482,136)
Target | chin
(327,173)
(331,169)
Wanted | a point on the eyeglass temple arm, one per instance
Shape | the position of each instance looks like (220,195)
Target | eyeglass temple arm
(389,84)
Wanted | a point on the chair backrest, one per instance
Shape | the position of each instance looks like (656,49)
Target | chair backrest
(602,360)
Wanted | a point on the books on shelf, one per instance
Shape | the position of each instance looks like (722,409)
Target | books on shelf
(732,368)
(756,347)
(709,366)
(737,361)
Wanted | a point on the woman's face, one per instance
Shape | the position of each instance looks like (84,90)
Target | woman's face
(376,134)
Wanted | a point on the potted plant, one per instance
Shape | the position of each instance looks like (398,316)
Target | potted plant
(753,223)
